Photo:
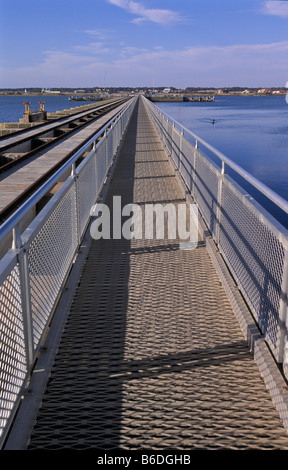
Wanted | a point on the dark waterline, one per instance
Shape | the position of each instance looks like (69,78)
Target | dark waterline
(250,130)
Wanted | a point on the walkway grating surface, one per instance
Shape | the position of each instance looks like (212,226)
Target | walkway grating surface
(152,355)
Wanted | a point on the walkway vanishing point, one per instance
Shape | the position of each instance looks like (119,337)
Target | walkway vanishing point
(152,354)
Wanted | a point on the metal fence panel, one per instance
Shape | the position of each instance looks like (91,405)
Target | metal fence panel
(50,253)
(168,134)
(86,189)
(109,143)
(187,168)
(101,164)
(206,190)
(176,148)
(256,257)
(13,361)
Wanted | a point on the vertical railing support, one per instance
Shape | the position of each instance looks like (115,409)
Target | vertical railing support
(219,204)
(16,238)
(96,167)
(180,150)
(74,175)
(173,142)
(106,149)
(23,261)
(283,320)
(25,293)
(194,174)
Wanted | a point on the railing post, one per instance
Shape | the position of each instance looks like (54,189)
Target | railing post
(25,293)
(106,149)
(283,320)
(219,203)
(169,137)
(194,174)
(23,261)
(172,142)
(75,178)
(181,148)
(16,238)
(95,167)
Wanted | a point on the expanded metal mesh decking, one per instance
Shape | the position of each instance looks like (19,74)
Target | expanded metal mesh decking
(152,355)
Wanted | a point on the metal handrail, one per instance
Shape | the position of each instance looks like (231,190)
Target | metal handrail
(20,213)
(253,244)
(264,189)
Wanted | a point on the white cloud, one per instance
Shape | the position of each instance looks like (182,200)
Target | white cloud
(235,65)
(146,14)
(96,48)
(95,32)
(276,8)
(259,65)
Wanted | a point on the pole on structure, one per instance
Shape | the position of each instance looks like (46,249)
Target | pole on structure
(42,105)
(27,108)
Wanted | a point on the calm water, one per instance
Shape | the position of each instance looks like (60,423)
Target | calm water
(250,130)
(12,107)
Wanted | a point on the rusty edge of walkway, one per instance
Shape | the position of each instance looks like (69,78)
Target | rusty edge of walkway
(275,382)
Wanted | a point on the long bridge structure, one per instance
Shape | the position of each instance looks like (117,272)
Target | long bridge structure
(118,333)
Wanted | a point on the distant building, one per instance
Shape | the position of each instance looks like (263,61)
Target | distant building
(166,90)
(49,91)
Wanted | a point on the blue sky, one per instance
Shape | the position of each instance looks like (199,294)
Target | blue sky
(96,43)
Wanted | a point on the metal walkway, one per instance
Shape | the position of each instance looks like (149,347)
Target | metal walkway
(152,355)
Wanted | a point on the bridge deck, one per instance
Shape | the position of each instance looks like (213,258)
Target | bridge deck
(152,355)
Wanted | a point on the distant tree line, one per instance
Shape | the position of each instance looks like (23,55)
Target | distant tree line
(92,90)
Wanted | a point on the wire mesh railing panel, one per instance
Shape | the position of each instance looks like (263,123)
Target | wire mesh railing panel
(12,347)
(188,163)
(115,137)
(168,135)
(176,146)
(109,144)
(87,191)
(255,256)
(206,190)
(101,164)
(50,255)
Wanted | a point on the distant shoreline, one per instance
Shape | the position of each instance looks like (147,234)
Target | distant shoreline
(196,93)
(91,91)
